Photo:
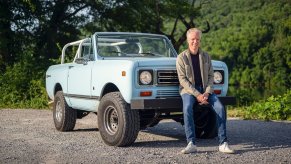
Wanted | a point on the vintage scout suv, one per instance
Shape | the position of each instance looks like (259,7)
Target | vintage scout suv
(129,80)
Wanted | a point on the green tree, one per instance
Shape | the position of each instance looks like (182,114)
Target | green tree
(253,38)
(33,32)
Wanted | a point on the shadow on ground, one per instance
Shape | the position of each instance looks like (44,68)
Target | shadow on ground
(252,135)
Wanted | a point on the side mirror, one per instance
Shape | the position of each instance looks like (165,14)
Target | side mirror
(81,60)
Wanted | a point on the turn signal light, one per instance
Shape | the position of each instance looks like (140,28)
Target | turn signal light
(123,73)
(218,92)
(145,93)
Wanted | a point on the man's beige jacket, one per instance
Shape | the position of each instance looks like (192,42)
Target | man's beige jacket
(186,74)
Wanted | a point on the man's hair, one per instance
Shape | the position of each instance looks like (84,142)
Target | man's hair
(193,30)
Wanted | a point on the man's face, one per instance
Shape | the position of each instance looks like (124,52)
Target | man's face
(193,41)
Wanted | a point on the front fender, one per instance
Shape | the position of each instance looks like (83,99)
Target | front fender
(111,87)
(108,76)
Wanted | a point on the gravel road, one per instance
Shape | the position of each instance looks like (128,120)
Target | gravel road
(29,136)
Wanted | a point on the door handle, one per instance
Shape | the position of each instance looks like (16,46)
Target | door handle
(71,66)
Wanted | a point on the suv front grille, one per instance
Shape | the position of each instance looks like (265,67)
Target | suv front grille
(167,77)
(168,93)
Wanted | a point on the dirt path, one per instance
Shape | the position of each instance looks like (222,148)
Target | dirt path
(29,136)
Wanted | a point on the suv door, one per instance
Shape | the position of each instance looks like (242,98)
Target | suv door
(79,79)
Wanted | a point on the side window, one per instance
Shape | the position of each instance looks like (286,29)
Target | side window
(87,51)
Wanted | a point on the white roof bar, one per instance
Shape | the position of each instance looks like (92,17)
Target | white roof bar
(76,43)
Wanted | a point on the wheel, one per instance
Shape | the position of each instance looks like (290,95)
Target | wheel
(64,116)
(118,124)
(205,123)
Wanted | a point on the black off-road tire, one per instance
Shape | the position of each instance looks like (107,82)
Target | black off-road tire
(205,123)
(64,116)
(118,124)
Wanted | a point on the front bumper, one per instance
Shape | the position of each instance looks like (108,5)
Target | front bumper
(170,104)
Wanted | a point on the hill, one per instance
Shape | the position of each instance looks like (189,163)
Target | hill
(252,37)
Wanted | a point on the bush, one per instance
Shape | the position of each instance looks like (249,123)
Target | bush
(22,86)
(274,108)
(37,94)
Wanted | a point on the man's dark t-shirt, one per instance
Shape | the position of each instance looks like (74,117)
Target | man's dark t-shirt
(197,71)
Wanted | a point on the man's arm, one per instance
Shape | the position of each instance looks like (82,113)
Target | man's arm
(209,88)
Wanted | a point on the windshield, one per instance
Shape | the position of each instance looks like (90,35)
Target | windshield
(134,45)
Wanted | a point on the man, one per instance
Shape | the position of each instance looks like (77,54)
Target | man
(195,74)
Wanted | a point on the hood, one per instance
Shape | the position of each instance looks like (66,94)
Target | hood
(160,62)
(218,64)
(149,62)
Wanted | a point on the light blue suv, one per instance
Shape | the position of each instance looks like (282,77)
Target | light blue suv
(129,80)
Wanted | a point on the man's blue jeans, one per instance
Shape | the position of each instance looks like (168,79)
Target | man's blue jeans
(188,110)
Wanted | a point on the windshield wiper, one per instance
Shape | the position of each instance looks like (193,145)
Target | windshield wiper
(123,53)
(148,54)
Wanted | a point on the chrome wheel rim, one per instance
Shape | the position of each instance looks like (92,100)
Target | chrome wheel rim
(111,120)
(59,113)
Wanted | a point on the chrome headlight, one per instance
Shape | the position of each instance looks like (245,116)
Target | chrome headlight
(145,77)
(218,77)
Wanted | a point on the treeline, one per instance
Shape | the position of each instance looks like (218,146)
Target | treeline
(252,37)
(33,32)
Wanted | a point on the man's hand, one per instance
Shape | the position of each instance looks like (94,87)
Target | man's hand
(203,98)
(206,95)
(200,98)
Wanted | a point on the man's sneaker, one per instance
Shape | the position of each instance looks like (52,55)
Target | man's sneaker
(191,148)
(224,148)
